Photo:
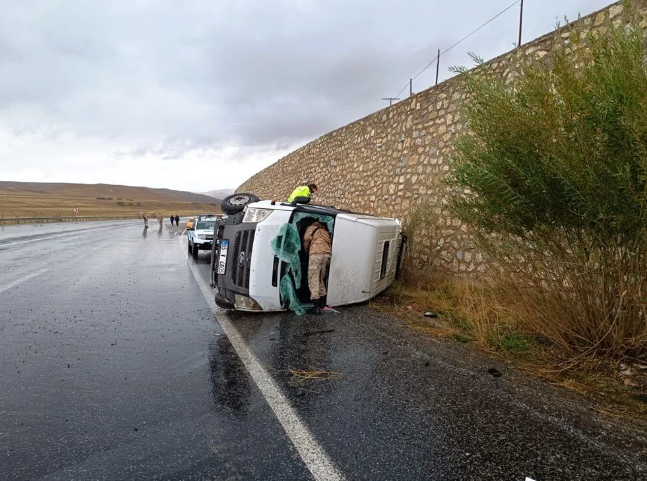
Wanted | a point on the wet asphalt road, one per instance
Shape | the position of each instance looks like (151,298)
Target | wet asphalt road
(113,366)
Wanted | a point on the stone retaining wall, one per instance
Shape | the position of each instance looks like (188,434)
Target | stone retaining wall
(393,162)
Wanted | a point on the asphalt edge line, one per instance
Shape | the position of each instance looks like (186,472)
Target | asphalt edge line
(22,279)
(312,453)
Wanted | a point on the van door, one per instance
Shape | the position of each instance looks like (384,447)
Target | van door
(351,265)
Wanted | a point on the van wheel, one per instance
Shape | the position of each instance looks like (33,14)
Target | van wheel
(233,204)
(195,251)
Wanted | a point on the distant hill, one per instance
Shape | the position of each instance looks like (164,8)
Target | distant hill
(219,194)
(106,190)
(27,199)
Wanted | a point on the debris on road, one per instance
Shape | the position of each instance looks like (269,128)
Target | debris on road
(299,376)
(494,372)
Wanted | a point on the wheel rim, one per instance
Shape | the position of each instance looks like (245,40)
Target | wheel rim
(239,200)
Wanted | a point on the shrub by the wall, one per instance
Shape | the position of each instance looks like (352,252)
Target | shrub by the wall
(554,176)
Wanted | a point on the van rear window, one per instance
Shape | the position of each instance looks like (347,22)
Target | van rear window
(385,259)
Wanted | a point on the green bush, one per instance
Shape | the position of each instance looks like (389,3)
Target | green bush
(553,175)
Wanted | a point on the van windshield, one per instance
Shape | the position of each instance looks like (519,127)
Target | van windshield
(206,225)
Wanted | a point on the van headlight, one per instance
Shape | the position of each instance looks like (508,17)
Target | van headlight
(254,214)
(244,302)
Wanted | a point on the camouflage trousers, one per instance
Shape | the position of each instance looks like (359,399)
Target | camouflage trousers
(317,266)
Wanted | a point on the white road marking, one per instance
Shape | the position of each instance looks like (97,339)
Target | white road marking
(56,236)
(311,452)
(22,279)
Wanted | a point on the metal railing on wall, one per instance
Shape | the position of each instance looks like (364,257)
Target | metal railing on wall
(43,220)
(436,60)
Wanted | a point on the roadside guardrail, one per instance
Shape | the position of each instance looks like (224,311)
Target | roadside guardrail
(42,220)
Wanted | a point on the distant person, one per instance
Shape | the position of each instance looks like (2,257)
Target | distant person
(303,193)
(177,220)
(160,220)
(145,216)
(318,244)
(172,219)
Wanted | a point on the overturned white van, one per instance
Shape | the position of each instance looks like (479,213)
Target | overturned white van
(257,263)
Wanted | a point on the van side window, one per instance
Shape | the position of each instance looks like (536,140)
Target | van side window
(385,258)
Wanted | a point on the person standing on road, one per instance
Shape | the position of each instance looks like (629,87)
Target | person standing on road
(318,244)
(145,216)
(303,193)
(172,219)
(160,220)
(177,220)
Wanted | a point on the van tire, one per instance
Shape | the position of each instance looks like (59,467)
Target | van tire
(233,204)
(194,251)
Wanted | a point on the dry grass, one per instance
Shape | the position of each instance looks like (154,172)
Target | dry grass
(465,311)
(298,376)
(517,325)
(23,203)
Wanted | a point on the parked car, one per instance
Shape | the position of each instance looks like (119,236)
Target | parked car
(191,221)
(200,235)
(257,263)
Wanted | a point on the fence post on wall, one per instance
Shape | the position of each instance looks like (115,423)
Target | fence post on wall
(437,66)
(520,24)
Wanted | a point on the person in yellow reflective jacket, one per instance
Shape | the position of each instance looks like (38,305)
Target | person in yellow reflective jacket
(302,193)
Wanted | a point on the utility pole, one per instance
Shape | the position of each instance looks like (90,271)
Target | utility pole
(410,87)
(437,66)
(520,24)
(390,99)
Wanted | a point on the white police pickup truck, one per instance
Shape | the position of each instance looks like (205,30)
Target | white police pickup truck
(258,264)
(200,235)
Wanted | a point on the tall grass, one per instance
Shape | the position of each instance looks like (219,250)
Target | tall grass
(553,176)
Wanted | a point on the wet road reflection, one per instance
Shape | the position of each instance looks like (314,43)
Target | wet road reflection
(113,368)
(304,347)
(229,380)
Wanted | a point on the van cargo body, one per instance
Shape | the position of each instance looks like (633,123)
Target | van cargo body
(247,272)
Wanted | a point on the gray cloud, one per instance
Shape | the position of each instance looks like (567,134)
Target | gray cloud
(164,78)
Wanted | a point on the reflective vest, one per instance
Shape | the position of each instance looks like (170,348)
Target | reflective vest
(301,191)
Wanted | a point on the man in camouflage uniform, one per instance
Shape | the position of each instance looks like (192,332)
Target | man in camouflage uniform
(318,244)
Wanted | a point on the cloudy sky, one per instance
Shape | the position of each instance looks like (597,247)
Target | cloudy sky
(200,94)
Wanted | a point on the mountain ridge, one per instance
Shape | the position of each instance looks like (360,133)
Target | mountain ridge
(143,193)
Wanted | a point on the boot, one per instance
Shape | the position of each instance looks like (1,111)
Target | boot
(315,309)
